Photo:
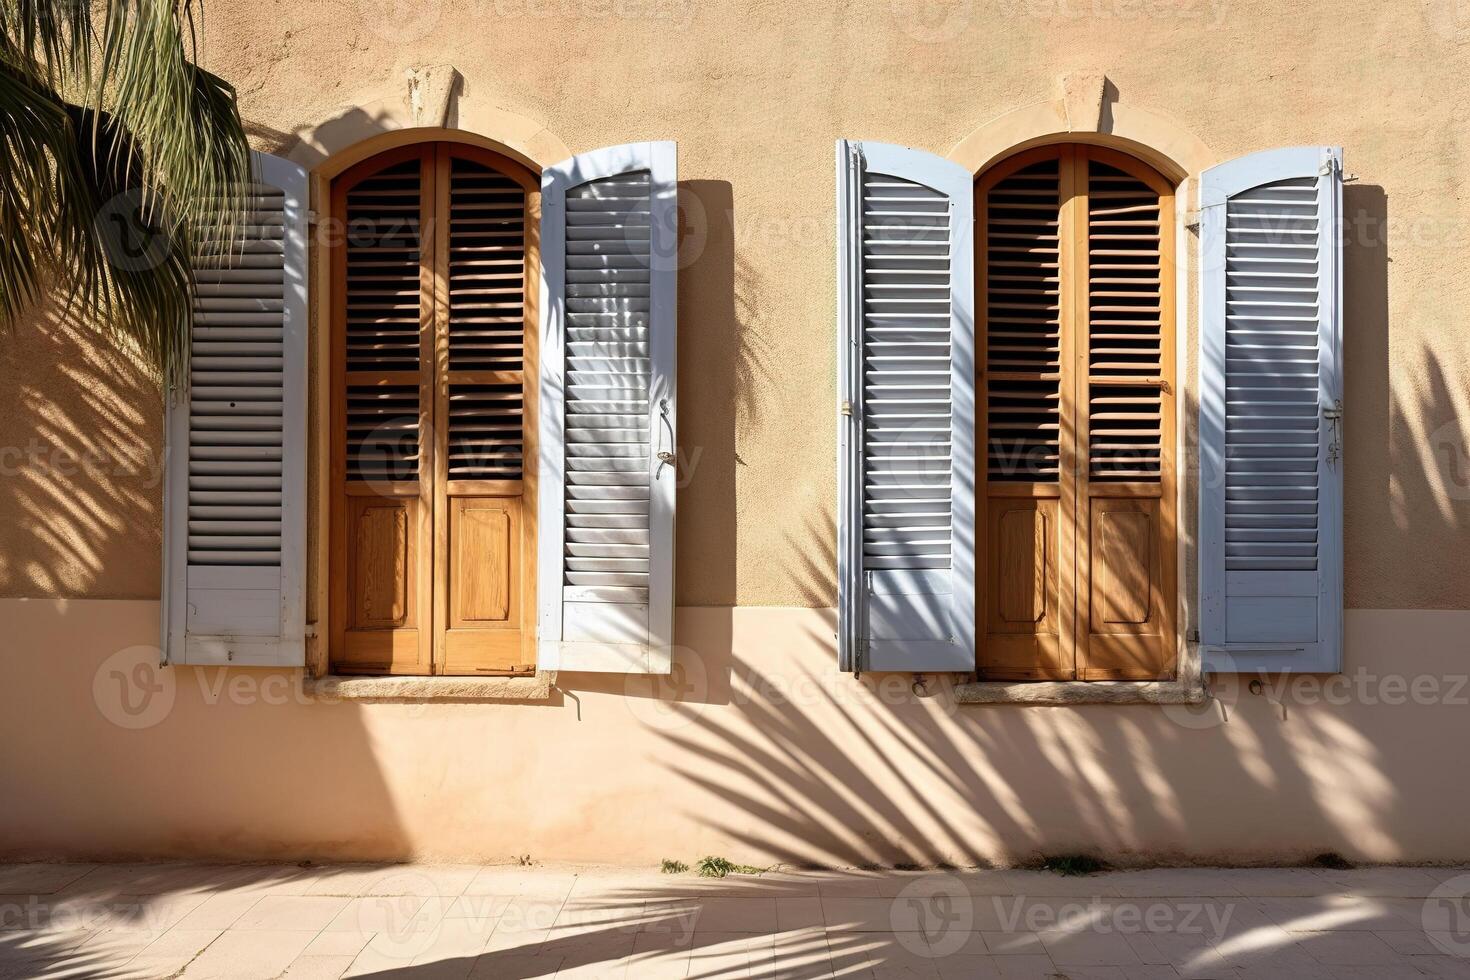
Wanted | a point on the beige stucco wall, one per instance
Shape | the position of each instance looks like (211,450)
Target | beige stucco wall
(756,750)
(755,94)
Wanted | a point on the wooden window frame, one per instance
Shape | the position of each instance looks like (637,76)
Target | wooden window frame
(1074,486)
(329,464)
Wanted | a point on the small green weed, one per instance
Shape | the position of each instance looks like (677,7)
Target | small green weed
(1072,864)
(718,867)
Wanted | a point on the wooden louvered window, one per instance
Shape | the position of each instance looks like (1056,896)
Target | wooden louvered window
(433,401)
(1075,336)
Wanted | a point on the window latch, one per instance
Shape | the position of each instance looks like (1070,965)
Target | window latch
(1333,415)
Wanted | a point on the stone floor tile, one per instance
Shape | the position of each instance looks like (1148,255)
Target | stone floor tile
(309,967)
(40,879)
(1346,948)
(290,913)
(248,955)
(520,882)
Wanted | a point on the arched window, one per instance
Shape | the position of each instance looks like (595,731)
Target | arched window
(432,409)
(1075,504)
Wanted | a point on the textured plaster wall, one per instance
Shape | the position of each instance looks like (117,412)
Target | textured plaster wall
(756,749)
(755,93)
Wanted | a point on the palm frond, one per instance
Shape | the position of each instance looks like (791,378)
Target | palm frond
(182,118)
(120,157)
(50,37)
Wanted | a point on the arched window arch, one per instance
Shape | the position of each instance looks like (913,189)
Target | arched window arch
(432,411)
(1075,321)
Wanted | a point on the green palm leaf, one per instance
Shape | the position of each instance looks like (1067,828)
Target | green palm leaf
(120,157)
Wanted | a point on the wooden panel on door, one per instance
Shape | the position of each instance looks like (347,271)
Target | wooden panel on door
(381,554)
(487,614)
(1021,639)
(1125,539)
(384,610)
(486,346)
(1023,212)
(1127,609)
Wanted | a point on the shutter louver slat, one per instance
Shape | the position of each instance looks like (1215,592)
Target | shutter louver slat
(236,433)
(485,432)
(1271,388)
(1023,317)
(1125,424)
(487,260)
(607,397)
(1271,366)
(906,376)
(906,438)
(382,290)
(382,323)
(235,497)
(607,382)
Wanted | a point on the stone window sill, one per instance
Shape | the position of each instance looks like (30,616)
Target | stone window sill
(334,687)
(1080,692)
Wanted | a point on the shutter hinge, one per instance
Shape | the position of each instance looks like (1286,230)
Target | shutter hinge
(860,658)
(312,217)
(846,408)
(1329,166)
(311,630)
(1191,220)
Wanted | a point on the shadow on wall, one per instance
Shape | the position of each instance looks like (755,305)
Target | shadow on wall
(710,389)
(807,767)
(201,763)
(81,462)
(1407,427)
(828,770)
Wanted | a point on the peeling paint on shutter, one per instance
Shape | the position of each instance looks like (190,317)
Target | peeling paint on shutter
(235,499)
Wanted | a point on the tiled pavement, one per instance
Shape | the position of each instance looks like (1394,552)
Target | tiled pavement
(431,921)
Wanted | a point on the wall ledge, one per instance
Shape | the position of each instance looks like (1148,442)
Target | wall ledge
(334,687)
(1080,692)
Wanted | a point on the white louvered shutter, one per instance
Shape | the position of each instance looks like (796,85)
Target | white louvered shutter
(235,498)
(609,247)
(1270,412)
(906,334)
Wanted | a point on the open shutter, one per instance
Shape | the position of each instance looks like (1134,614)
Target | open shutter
(606,560)
(1270,412)
(906,332)
(235,498)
